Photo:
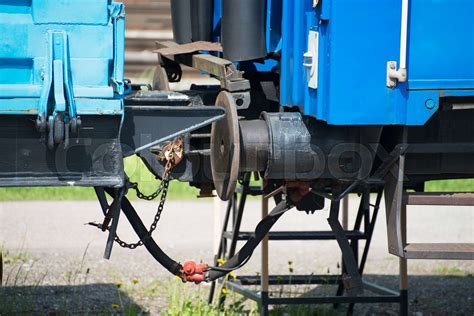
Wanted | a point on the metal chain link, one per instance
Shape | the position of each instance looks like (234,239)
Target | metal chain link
(142,196)
(172,153)
(164,189)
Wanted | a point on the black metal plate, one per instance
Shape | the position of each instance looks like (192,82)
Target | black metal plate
(149,125)
(93,157)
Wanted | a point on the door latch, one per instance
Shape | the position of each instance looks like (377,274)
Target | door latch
(310,59)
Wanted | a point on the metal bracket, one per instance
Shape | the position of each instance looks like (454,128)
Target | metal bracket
(242,99)
(230,77)
(57,80)
(117,13)
(395,76)
(154,117)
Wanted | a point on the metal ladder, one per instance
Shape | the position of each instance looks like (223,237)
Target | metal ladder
(364,218)
(397,200)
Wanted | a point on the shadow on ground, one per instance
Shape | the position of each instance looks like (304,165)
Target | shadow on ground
(427,295)
(58,300)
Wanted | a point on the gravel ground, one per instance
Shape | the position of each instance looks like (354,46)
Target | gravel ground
(55,261)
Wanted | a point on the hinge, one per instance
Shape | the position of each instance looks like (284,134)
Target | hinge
(395,76)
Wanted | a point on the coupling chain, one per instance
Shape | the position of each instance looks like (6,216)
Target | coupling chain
(172,153)
(142,196)
(164,185)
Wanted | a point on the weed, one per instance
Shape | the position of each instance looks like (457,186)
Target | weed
(19,256)
(447,270)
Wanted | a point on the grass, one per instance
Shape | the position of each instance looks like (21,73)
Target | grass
(194,304)
(129,297)
(463,185)
(449,270)
(137,172)
(18,256)
(134,168)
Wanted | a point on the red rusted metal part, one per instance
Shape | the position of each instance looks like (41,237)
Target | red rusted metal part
(194,272)
(296,190)
(169,50)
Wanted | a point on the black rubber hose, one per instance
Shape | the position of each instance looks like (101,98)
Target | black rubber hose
(247,250)
(142,233)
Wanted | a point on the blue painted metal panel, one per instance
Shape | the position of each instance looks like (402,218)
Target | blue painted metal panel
(441,44)
(69,49)
(357,39)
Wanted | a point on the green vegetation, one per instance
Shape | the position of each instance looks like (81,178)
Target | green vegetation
(463,185)
(449,270)
(18,256)
(137,172)
(194,304)
(134,168)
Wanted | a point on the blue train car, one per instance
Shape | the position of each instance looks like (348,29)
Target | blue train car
(320,98)
(344,71)
(61,92)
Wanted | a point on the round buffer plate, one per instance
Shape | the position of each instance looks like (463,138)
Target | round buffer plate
(225,148)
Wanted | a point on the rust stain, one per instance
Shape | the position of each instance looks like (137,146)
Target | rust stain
(29,111)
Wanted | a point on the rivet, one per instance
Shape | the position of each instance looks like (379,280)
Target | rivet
(429,104)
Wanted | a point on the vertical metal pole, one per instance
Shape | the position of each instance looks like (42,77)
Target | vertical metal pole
(222,244)
(347,252)
(1,267)
(345,212)
(217,203)
(345,226)
(264,270)
(236,224)
(370,232)
(403,264)
(115,210)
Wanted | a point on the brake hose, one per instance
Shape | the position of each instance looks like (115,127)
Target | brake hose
(190,271)
(242,257)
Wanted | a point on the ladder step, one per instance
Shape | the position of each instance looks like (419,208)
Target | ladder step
(251,190)
(452,251)
(439,198)
(299,235)
(293,279)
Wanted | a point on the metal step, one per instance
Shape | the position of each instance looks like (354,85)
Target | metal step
(451,251)
(299,235)
(252,190)
(290,279)
(439,198)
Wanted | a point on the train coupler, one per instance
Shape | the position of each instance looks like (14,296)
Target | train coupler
(194,272)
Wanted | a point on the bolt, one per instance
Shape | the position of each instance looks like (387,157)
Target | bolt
(392,65)
(430,104)
(392,83)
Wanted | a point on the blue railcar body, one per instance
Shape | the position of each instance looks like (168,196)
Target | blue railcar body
(355,41)
(61,55)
